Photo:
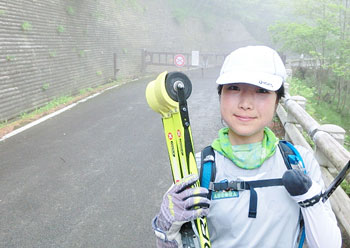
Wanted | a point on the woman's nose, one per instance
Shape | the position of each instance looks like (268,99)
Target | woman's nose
(246,100)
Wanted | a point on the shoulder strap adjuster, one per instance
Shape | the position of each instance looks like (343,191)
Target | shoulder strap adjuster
(209,158)
(211,186)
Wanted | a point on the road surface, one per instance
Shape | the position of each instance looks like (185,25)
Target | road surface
(94,175)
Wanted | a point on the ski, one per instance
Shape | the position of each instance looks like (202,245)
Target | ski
(168,96)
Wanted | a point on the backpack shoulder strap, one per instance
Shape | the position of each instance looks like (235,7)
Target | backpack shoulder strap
(208,168)
(293,160)
(291,156)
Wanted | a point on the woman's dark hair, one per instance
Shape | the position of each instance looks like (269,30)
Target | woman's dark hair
(279,92)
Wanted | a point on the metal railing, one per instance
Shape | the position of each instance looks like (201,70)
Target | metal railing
(167,59)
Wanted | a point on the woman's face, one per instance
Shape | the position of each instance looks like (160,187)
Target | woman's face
(247,110)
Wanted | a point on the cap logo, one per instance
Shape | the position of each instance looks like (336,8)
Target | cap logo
(265,83)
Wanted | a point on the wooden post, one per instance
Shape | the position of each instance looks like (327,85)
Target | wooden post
(299,100)
(338,133)
(302,117)
(337,155)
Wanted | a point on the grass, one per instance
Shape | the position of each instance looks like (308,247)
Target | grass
(60,29)
(7,126)
(3,124)
(52,54)
(70,10)
(49,106)
(45,86)
(26,26)
(24,118)
(10,57)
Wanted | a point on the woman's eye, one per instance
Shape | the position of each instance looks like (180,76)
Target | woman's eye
(264,91)
(233,87)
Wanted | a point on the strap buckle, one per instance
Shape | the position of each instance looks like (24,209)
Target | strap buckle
(237,185)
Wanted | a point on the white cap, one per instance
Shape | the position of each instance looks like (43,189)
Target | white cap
(257,65)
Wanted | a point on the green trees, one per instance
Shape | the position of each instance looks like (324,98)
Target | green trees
(321,31)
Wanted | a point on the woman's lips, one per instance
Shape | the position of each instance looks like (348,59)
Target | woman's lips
(244,118)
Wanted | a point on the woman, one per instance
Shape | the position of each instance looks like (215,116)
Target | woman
(250,85)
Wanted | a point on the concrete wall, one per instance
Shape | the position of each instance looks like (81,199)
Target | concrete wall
(53,48)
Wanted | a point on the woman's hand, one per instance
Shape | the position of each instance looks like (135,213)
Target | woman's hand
(180,204)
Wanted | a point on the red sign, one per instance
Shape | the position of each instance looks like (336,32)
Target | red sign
(170,136)
(179,60)
(178,133)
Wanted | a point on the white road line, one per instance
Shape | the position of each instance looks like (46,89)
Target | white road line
(46,117)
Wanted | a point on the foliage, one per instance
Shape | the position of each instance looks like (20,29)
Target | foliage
(70,10)
(45,86)
(298,87)
(81,53)
(314,37)
(321,33)
(60,29)
(346,187)
(205,11)
(10,57)
(258,15)
(322,112)
(26,26)
(180,10)
(49,106)
(3,123)
(84,91)
(255,15)
(52,54)
(135,4)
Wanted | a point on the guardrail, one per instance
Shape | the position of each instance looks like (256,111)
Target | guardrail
(303,62)
(328,148)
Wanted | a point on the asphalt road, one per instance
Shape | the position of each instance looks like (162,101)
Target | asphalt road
(94,176)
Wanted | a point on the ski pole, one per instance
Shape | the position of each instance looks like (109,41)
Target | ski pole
(336,182)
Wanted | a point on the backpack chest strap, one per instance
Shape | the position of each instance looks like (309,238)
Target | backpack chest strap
(240,185)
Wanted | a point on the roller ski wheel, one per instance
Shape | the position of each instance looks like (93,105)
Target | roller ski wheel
(177,79)
(161,94)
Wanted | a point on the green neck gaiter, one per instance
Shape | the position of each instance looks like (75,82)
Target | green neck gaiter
(249,156)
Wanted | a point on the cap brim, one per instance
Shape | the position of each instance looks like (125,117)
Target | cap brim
(260,79)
